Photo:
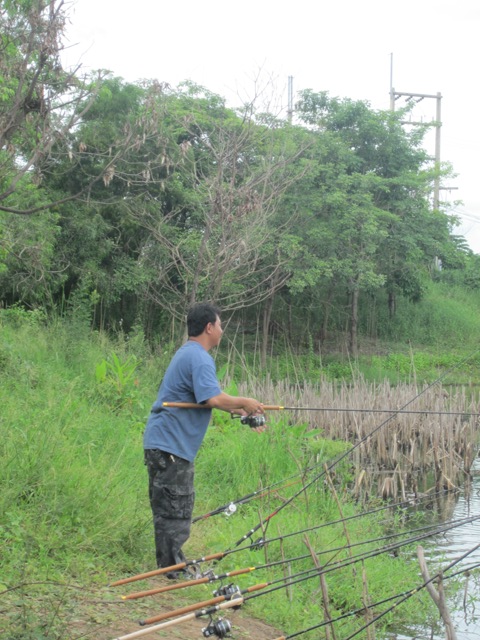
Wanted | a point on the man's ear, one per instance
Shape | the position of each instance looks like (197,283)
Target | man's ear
(208,327)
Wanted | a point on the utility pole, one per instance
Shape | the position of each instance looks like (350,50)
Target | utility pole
(418,97)
(290,99)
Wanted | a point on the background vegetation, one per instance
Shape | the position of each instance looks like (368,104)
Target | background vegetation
(125,203)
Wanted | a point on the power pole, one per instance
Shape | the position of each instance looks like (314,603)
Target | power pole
(418,97)
(290,99)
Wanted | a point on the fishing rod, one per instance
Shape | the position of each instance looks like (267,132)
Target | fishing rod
(210,576)
(269,407)
(228,594)
(231,507)
(409,594)
(235,603)
(341,564)
(229,591)
(255,545)
(424,585)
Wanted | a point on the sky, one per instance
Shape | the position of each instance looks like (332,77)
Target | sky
(350,49)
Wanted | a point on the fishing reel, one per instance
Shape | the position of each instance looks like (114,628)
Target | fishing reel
(256,545)
(230,510)
(253,421)
(219,628)
(228,591)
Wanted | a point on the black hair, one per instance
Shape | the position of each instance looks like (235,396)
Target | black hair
(199,316)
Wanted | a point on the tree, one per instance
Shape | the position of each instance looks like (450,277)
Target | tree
(40,101)
(373,228)
(42,106)
(210,228)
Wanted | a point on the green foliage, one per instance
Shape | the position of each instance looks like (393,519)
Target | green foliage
(16,315)
(62,455)
(446,317)
(117,382)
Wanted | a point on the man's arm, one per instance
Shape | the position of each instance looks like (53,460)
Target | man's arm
(235,404)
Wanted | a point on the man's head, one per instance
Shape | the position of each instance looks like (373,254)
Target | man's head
(200,316)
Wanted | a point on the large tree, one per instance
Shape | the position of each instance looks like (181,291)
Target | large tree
(366,208)
(211,227)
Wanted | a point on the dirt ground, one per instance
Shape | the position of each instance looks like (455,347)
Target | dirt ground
(53,611)
(105,616)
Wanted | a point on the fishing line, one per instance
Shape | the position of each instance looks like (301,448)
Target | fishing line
(395,411)
(373,605)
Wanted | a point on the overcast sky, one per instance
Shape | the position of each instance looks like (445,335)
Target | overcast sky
(344,47)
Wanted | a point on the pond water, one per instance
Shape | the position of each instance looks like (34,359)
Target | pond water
(445,548)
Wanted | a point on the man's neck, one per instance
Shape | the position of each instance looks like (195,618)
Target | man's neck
(202,340)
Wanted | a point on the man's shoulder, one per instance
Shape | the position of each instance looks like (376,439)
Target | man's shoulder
(194,350)
(190,356)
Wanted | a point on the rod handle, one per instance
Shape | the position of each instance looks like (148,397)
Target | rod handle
(178,612)
(194,405)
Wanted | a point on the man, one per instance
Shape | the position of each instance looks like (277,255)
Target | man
(173,435)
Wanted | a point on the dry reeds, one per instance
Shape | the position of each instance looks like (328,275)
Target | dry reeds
(409,445)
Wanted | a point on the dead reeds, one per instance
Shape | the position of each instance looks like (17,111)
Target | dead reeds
(409,448)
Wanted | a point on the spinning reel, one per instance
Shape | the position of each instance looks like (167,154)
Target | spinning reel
(253,421)
(219,628)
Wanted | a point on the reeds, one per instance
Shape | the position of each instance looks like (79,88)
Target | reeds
(408,449)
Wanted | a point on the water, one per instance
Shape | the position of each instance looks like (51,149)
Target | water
(443,549)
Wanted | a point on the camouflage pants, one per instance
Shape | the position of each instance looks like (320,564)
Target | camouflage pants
(171,492)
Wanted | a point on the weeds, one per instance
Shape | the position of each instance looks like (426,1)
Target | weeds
(117,382)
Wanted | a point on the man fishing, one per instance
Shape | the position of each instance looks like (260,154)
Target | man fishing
(173,435)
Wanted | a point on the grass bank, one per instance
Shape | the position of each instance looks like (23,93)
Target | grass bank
(73,508)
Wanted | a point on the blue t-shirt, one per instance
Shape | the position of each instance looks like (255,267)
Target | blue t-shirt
(190,377)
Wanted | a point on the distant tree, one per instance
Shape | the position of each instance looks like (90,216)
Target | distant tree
(372,226)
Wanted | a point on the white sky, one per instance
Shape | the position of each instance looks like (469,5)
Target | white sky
(343,47)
